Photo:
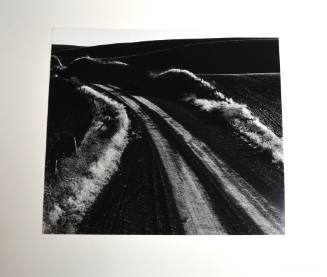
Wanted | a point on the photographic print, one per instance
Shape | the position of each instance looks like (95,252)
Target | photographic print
(175,136)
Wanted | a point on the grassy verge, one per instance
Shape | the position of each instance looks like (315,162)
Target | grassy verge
(87,132)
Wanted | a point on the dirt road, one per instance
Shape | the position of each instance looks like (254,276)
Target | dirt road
(172,182)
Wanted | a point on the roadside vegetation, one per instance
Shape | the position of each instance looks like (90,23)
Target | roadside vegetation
(87,133)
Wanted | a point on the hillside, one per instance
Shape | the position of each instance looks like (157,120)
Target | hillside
(199,56)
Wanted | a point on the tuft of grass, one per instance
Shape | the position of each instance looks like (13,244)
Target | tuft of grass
(179,83)
(55,62)
(81,176)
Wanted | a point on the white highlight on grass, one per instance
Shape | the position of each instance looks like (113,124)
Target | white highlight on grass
(237,115)
(100,60)
(57,59)
(85,174)
(242,119)
(185,72)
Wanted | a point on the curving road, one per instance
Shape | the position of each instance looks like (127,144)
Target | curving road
(192,190)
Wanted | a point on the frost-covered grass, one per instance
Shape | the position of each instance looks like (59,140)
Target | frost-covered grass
(82,176)
(241,118)
(206,97)
(177,83)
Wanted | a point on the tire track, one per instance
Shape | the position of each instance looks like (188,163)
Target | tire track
(238,192)
(138,199)
(210,196)
(195,210)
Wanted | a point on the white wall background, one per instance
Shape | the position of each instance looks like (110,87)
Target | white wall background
(25,33)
